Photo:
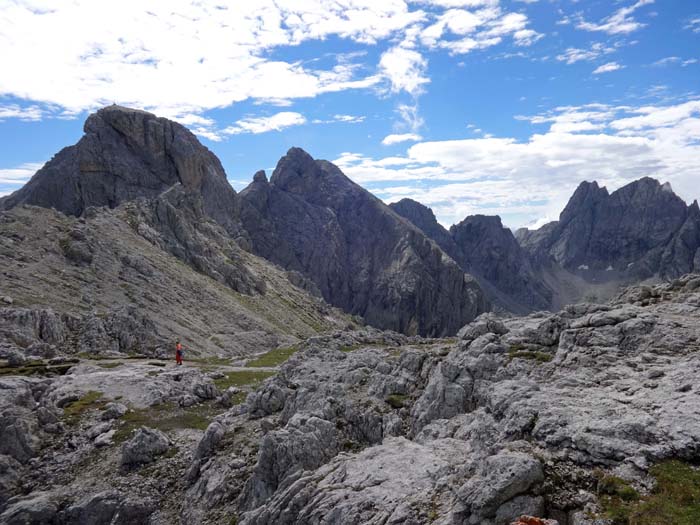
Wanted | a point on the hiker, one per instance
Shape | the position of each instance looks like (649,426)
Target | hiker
(178,352)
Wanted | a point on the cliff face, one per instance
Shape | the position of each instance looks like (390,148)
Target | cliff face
(126,154)
(488,251)
(362,256)
(640,230)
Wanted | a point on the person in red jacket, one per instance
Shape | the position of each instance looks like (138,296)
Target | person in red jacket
(178,352)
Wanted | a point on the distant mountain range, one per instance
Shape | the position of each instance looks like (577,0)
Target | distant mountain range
(395,266)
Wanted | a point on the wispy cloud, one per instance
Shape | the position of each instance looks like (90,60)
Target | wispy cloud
(620,22)
(398,138)
(27,113)
(693,24)
(19,174)
(607,68)
(348,119)
(667,61)
(572,54)
(276,122)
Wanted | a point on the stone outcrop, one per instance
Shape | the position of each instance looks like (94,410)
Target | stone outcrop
(363,257)
(512,421)
(485,249)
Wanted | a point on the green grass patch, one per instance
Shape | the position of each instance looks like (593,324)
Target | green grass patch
(165,417)
(540,357)
(357,346)
(209,360)
(110,365)
(92,400)
(242,378)
(397,400)
(273,358)
(88,355)
(674,500)
(238,398)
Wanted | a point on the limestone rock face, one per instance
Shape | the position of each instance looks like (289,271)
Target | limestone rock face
(363,257)
(638,231)
(513,421)
(126,154)
(485,249)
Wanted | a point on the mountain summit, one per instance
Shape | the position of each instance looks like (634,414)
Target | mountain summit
(485,249)
(362,256)
(126,154)
(640,230)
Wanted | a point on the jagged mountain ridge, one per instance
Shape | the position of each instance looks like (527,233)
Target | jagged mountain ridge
(362,256)
(484,248)
(639,231)
(353,250)
(400,281)
(602,241)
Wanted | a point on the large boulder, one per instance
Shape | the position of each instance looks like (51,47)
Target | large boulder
(146,445)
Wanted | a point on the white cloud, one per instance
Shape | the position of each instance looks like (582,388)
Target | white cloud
(607,68)
(348,119)
(402,137)
(620,22)
(529,180)
(653,117)
(405,69)
(667,61)
(180,57)
(28,113)
(573,54)
(480,29)
(276,122)
(693,24)
(410,117)
(20,174)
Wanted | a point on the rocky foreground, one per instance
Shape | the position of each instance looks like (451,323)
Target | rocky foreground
(559,416)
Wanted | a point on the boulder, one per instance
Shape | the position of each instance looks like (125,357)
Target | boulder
(109,508)
(144,447)
(113,411)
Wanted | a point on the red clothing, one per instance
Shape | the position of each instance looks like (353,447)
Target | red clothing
(178,353)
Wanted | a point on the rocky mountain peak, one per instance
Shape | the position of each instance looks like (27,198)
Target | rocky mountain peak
(586,196)
(296,172)
(128,154)
(625,233)
(362,256)
(482,247)
(482,222)
(260,177)
(408,207)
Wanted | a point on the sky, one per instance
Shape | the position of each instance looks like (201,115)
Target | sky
(468,106)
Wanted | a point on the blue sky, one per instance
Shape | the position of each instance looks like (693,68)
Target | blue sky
(470,106)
